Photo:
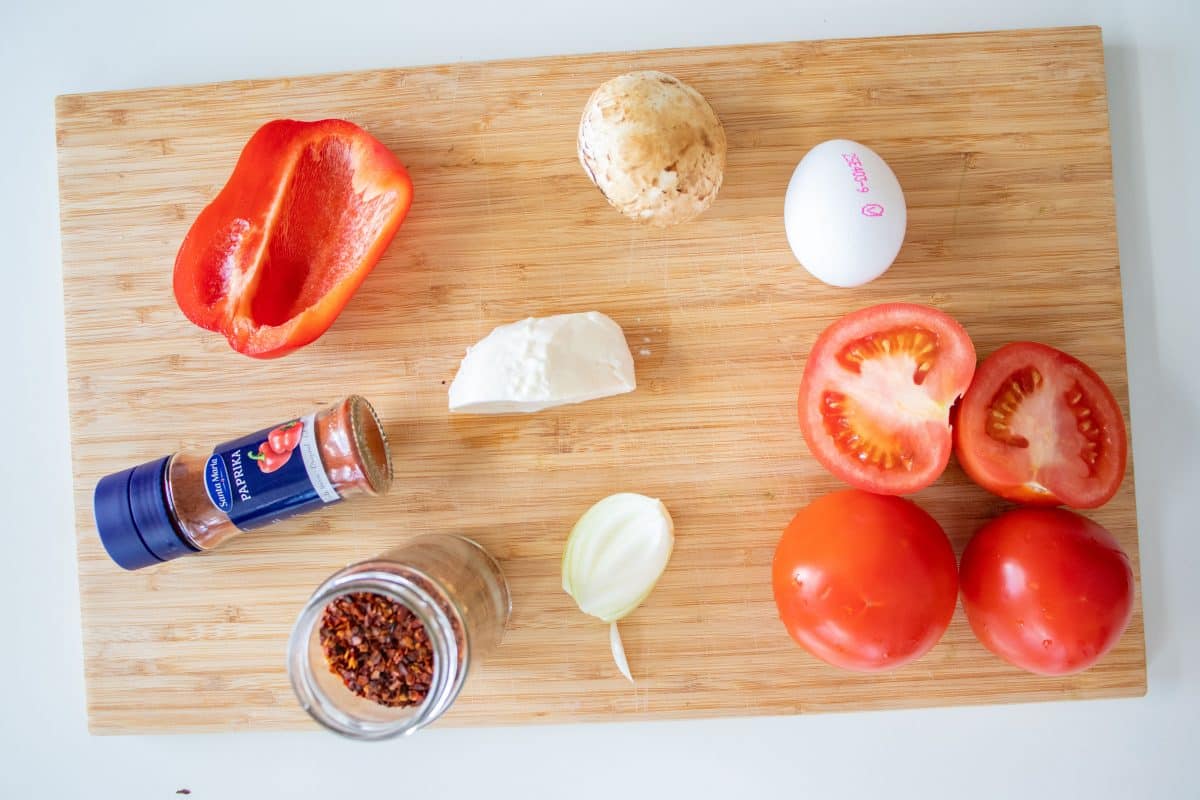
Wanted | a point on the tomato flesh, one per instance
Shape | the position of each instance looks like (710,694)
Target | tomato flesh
(864,582)
(876,395)
(1040,427)
(1046,589)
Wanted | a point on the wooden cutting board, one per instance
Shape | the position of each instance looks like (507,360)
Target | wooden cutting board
(1001,143)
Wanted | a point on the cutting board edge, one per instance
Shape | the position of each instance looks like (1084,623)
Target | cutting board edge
(67,98)
(97,726)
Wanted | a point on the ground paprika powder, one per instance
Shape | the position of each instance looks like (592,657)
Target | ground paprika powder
(195,500)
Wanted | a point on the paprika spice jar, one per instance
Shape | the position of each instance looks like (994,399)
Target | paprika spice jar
(195,500)
(383,647)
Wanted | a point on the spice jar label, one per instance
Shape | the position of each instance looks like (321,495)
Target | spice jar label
(269,475)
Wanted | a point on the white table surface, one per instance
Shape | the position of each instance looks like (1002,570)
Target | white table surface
(1126,748)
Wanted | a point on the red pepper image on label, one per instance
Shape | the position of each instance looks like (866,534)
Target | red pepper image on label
(277,449)
(285,438)
(267,459)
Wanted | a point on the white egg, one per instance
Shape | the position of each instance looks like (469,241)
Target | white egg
(844,214)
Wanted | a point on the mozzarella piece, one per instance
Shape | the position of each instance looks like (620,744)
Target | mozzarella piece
(541,362)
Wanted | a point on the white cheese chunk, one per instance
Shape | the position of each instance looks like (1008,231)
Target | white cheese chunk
(541,362)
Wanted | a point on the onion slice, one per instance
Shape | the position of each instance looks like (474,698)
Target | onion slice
(615,555)
(618,651)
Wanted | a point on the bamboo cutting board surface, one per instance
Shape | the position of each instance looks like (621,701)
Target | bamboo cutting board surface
(1000,141)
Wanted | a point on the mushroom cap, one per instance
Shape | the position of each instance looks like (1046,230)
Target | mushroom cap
(654,147)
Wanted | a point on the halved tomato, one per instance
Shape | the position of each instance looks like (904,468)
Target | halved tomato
(876,395)
(1039,426)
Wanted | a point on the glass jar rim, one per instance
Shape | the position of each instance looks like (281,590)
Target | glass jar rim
(436,612)
(365,427)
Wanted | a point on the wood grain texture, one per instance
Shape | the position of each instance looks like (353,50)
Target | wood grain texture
(1001,143)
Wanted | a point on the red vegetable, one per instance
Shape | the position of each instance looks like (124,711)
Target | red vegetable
(876,395)
(864,581)
(1038,426)
(285,438)
(306,214)
(1047,590)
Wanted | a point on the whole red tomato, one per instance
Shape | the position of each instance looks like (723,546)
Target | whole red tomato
(1046,589)
(863,581)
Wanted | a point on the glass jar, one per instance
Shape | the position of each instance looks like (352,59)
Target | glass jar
(196,500)
(457,592)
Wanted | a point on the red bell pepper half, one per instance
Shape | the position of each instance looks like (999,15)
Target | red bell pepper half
(307,213)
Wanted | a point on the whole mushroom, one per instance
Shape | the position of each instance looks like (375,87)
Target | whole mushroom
(653,146)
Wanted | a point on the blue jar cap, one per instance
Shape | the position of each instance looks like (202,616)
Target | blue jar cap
(133,519)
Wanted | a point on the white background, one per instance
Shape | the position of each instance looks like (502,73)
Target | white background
(1130,748)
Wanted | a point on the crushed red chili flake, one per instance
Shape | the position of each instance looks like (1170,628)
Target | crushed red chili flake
(378,647)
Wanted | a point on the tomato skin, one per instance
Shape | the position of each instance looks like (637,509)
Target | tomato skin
(864,582)
(1046,589)
(900,425)
(1049,468)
